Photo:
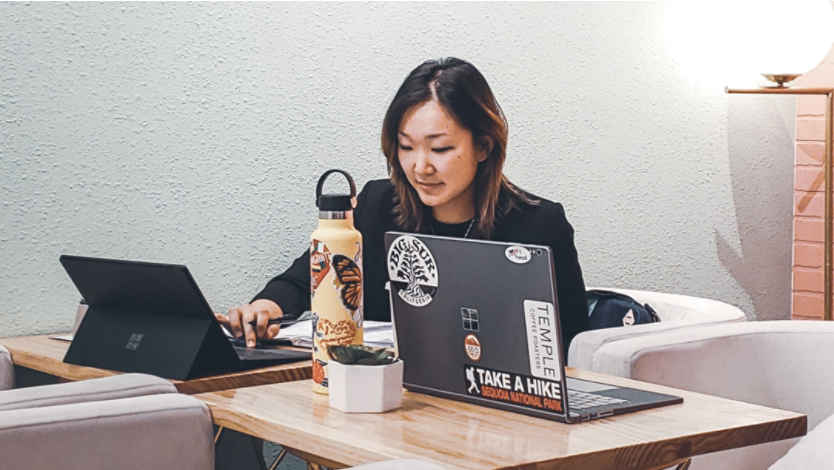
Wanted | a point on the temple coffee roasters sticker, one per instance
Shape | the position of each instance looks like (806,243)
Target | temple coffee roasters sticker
(412,270)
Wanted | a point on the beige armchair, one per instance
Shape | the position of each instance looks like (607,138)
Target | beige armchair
(401,464)
(130,422)
(781,364)
(6,369)
(676,312)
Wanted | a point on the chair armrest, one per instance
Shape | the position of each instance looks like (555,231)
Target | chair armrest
(675,311)
(140,433)
(673,307)
(585,345)
(108,388)
(6,369)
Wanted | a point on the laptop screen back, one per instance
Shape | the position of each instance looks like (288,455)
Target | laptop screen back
(145,317)
(477,320)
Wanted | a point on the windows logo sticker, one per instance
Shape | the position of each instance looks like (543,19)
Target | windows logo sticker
(470,319)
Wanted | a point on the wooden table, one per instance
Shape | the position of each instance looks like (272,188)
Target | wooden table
(42,354)
(458,435)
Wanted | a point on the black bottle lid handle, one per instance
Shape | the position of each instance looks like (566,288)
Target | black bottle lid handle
(330,172)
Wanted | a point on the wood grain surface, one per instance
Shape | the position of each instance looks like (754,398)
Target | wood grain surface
(458,435)
(46,355)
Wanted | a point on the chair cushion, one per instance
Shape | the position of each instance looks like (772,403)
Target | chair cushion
(108,388)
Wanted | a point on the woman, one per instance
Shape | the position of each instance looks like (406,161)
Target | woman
(445,139)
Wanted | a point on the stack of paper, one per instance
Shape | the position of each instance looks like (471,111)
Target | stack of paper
(377,334)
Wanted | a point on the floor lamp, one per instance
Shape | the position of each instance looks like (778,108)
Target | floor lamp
(829,94)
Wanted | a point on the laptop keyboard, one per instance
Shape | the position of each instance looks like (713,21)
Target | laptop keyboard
(582,400)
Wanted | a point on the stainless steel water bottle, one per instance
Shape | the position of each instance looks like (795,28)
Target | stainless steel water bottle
(335,277)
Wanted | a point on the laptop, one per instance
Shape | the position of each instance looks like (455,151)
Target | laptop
(478,321)
(152,318)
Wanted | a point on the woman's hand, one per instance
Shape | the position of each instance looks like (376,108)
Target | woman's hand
(250,321)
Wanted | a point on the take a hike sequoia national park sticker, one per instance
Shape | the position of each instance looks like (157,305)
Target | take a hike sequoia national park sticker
(512,388)
(412,270)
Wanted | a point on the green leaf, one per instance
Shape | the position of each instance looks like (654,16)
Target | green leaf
(358,354)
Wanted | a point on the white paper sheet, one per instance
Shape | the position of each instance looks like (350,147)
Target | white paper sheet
(377,334)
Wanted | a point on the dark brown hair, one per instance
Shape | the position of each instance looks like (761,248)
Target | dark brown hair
(464,94)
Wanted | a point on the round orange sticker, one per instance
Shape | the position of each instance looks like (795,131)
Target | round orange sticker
(473,347)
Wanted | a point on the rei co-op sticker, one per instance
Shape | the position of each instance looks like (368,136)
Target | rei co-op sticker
(319,264)
(473,347)
(516,389)
(518,254)
(412,270)
(542,340)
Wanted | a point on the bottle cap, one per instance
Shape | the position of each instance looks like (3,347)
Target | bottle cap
(336,202)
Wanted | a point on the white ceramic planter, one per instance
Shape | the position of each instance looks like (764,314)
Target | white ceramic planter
(365,389)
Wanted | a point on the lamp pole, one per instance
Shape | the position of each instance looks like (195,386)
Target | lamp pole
(829,110)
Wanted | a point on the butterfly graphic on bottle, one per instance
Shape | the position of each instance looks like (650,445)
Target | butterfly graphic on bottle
(350,276)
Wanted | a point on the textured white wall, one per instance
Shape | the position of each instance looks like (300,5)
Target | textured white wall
(194,133)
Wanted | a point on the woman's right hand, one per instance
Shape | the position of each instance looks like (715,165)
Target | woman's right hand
(250,321)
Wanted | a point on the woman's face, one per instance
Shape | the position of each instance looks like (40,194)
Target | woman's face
(440,160)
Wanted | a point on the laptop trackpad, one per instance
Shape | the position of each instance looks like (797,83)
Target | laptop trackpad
(587,387)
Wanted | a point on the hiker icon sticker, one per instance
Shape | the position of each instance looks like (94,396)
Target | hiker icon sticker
(412,270)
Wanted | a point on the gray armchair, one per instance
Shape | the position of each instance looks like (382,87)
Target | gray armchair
(780,364)
(400,464)
(130,422)
(6,369)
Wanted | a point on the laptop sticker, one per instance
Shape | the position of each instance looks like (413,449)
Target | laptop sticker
(518,254)
(473,347)
(509,387)
(542,340)
(412,270)
(470,319)
(319,264)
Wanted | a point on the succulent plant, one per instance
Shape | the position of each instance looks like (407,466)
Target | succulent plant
(362,355)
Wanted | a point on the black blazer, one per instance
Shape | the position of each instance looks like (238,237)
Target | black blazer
(542,224)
